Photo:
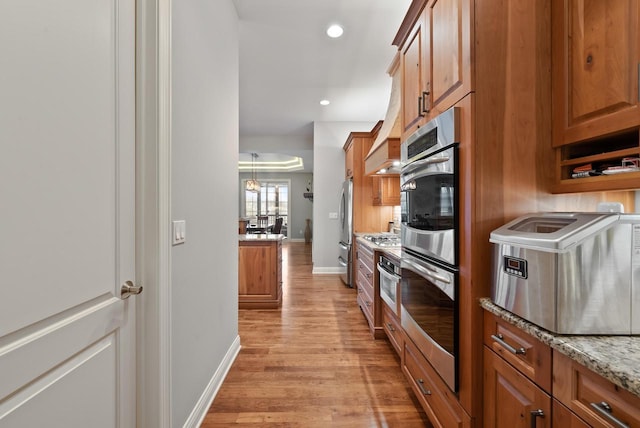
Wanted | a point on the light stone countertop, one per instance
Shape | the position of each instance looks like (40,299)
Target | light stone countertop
(261,237)
(616,358)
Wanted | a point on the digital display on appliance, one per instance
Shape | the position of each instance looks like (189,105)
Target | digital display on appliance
(422,144)
(515,267)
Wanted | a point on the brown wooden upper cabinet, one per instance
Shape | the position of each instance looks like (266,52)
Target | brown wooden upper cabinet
(595,74)
(348,161)
(386,190)
(435,61)
(596,56)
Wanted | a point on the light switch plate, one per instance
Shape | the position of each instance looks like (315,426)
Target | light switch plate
(333,215)
(178,232)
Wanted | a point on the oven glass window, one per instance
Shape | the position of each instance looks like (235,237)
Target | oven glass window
(431,308)
(428,203)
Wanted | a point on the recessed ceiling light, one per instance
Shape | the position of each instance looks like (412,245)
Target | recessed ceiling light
(325,102)
(334,31)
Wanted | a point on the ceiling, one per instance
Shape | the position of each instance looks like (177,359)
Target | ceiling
(288,64)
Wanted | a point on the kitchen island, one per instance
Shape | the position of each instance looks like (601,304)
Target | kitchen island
(260,271)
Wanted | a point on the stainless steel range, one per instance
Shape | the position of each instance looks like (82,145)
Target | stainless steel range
(384,239)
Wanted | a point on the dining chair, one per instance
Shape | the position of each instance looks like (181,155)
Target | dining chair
(262,220)
(277,227)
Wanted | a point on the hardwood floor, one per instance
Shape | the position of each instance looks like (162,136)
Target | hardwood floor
(313,363)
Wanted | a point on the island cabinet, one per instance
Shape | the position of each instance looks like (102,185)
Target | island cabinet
(517,377)
(435,59)
(368,297)
(260,273)
(596,111)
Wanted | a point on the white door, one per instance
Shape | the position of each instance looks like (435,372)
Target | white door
(66,213)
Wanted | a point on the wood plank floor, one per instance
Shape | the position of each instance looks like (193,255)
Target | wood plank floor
(313,363)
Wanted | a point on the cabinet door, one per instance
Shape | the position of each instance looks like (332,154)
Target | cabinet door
(595,59)
(565,418)
(414,67)
(257,273)
(449,78)
(348,161)
(512,400)
(386,190)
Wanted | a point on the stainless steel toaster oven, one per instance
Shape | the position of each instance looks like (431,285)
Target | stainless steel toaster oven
(570,273)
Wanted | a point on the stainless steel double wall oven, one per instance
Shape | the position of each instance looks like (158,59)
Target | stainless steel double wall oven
(429,236)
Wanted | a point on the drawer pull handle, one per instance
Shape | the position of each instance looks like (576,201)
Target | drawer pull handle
(535,414)
(605,410)
(422,389)
(390,327)
(500,339)
(368,303)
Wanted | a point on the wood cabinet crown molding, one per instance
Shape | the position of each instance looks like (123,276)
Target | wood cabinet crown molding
(414,11)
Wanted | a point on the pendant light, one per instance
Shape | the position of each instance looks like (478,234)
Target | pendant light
(253,185)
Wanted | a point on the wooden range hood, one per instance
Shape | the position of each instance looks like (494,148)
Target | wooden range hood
(386,147)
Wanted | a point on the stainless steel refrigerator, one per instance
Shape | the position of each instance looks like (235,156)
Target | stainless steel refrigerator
(345,216)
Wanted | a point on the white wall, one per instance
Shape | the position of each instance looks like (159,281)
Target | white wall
(204,281)
(300,208)
(328,175)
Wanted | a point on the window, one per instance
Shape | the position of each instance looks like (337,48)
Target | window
(272,200)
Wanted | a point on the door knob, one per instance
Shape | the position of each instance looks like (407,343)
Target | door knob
(129,289)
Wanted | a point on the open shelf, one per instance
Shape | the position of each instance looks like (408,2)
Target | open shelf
(600,153)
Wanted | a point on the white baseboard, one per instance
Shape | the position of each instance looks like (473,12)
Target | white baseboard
(202,406)
(328,270)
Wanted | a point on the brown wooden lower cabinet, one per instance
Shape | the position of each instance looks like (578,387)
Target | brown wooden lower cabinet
(368,292)
(565,418)
(437,400)
(592,397)
(259,274)
(527,384)
(512,400)
(392,327)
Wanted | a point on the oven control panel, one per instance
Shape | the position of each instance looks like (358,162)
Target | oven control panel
(516,267)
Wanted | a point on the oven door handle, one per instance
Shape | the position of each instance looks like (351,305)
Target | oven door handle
(429,273)
(383,272)
(342,261)
(424,162)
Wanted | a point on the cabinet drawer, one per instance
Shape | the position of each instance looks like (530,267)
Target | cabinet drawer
(366,304)
(392,327)
(436,398)
(365,282)
(523,351)
(592,397)
(365,260)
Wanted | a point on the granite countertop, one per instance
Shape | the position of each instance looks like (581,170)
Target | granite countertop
(616,358)
(261,237)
